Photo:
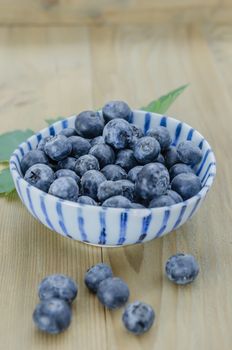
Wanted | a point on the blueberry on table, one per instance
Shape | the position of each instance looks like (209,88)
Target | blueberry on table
(114,172)
(41,176)
(125,159)
(113,292)
(104,154)
(58,147)
(42,142)
(80,146)
(86,200)
(90,183)
(59,287)
(189,153)
(33,157)
(137,133)
(89,124)
(85,163)
(133,173)
(161,134)
(52,316)
(171,157)
(97,140)
(152,180)
(68,132)
(182,268)
(109,189)
(138,317)
(180,168)
(116,109)
(96,274)
(67,172)
(186,185)
(117,202)
(118,133)
(66,188)
(146,150)
(67,163)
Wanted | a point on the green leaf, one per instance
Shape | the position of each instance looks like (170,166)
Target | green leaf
(164,102)
(6,182)
(52,121)
(10,140)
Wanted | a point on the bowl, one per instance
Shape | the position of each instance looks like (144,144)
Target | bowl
(114,226)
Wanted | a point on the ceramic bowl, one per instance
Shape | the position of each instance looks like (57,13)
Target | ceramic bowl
(113,226)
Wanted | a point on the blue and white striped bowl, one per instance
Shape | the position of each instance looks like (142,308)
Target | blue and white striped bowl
(113,226)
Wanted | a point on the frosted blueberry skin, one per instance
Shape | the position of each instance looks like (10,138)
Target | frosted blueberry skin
(180,168)
(67,163)
(137,206)
(68,132)
(96,274)
(175,196)
(186,185)
(146,150)
(66,188)
(52,316)
(104,154)
(109,189)
(80,146)
(118,133)
(152,180)
(189,153)
(182,268)
(97,140)
(114,172)
(58,147)
(133,173)
(113,292)
(67,172)
(117,202)
(89,124)
(90,183)
(58,286)
(161,134)
(161,201)
(137,133)
(33,157)
(42,142)
(116,109)
(138,317)
(85,163)
(160,159)
(125,159)
(171,157)
(41,176)
(86,200)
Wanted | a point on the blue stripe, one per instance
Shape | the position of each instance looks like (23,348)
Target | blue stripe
(64,123)
(39,137)
(190,134)
(29,146)
(163,121)
(201,144)
(207,170)
(102,238)
(131,118)
(195,206)
(164,223)
(145,225)
(177,134)
(30,201)
(52,130)
(178,221)
(147,122)
(123,227)
(81,223)
(203,162)
(19,189)
(44,210)
(210,175)
(14,163)
(16,155)
(61,217)
(21,150)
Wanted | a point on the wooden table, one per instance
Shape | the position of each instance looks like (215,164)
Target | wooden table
(49,71)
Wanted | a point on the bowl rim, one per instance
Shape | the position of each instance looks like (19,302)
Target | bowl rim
(201,194)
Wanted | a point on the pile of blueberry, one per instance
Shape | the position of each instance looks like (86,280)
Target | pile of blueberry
(108,161)
(57,292)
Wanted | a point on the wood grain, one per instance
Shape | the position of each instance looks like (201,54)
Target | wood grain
(47,72)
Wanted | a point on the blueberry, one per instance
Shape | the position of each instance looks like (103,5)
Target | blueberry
(133,173)
(138,317)
(152,180)
(114,172)
(125,159)
(161,201)
(113,292)
(86,200)
(186,185)
(52,316)
(31,158)
(85,163)
(65,188)
(97,140)
(67,163)
(189,153)
(137,133)
(58,147)
(68,132)
(42,142)
(137,206)
(89,124)
(171,157)
(80,146)
(175,196)
(179,168)
(116,109)
(40,176)
(161,134)
(182,268)
(67,172)
(160,159)
(96,274)
(59,287)
(109,189)
(117,202)
(104,154)
(90,183)
(118,133)
(146,150)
